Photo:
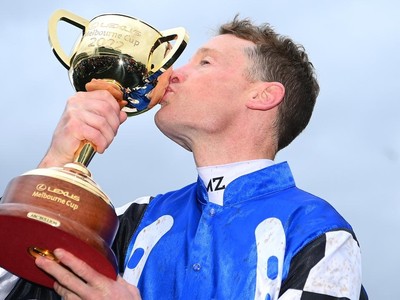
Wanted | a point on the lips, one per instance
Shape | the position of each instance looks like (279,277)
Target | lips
(168,90)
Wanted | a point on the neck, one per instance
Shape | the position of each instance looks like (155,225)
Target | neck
(209,154)
(234,140)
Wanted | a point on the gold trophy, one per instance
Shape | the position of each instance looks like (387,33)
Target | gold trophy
(50,208)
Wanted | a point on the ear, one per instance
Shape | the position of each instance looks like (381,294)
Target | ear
(266,96)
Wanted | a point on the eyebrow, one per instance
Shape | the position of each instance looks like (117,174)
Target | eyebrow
(204,50)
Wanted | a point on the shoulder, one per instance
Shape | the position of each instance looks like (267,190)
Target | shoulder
(314,210)
(137,202)
(310,218)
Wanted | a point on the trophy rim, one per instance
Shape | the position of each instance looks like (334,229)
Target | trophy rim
(127,16)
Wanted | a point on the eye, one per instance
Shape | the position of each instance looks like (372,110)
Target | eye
(204,62)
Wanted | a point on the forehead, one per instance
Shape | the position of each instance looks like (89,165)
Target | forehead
(226,45)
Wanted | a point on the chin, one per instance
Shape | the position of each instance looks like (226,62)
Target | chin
(159,119)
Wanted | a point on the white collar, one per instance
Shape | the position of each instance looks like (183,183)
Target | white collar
(216,178)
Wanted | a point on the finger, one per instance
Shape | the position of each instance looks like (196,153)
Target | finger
(131,288)
(80,268)
(106,104)
(67,280)
(65,293)
(86,128)
(99,84)
(99,131)
(93,117)
(113,89)
(99,140)
(98,101)
(158,91)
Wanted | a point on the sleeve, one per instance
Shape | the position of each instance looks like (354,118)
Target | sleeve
(25,290)
(129,219)
(328,268)
(7,282)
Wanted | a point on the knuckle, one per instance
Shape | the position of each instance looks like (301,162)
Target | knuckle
(66,279)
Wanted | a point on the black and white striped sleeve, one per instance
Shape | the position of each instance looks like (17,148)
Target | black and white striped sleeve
(328,268)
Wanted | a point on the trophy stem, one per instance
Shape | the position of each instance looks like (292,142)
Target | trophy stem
(85,153)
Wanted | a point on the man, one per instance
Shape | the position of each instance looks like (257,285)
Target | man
(243,230)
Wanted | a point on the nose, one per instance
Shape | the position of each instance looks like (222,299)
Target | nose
(176,76)
(173,79)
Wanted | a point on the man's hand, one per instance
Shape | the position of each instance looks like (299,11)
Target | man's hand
(77,280)
(94,116)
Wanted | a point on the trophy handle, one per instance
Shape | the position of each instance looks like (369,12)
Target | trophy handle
(66,16)
(181,38)
(86,150)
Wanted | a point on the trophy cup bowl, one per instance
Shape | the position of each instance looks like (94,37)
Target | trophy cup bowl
(63,207)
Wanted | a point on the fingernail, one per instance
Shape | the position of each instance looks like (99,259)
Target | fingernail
(58,253)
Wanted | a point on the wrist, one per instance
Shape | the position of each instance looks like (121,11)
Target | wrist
(50,161)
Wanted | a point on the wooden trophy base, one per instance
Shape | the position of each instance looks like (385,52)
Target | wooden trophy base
(43,210)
